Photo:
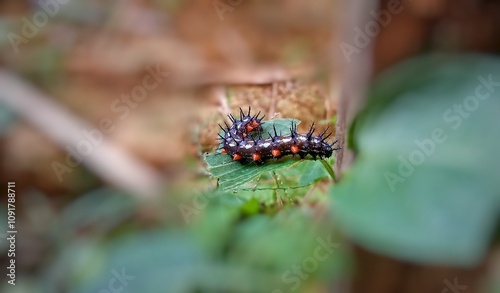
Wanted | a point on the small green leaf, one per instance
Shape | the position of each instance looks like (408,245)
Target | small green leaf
(251,207)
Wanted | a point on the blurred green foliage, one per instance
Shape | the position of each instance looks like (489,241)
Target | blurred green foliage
(425,183)
(105,240)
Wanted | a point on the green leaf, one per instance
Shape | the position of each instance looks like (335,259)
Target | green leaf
(232,174)
(425,185)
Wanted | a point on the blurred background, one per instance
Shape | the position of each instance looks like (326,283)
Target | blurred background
(108,109)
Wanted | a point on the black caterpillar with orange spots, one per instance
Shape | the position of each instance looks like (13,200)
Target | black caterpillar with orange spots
(237,141)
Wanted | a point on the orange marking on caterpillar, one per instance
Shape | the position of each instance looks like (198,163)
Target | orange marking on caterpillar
(276,153)
(237,157)
(256,156)
(223,151)
(294,149)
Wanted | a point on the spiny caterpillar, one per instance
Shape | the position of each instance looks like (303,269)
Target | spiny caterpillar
(243,141)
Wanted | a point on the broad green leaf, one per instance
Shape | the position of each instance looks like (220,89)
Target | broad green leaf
(232,174)
(425,185)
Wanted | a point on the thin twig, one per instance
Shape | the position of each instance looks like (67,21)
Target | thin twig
(329,170)
(108,160)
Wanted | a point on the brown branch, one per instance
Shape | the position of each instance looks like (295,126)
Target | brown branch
(355,74)
(108,160)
